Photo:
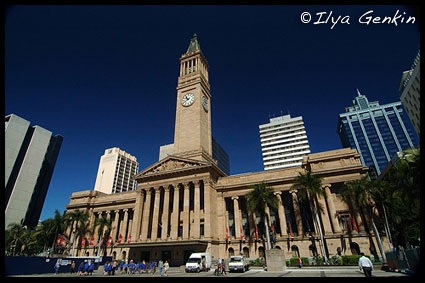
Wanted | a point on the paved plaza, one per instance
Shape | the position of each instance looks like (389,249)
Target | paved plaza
(253,272)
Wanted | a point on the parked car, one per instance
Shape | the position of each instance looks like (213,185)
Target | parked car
(238,263)
(198,262)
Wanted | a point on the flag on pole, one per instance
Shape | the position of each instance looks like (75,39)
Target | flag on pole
(129,238)
(290,230)
(58,240)
(109,241)
(272,228)
(83,242)
(101,241)
(355,225)
(241,233)
(119,239)
(92,241)
(63,242)
(227,233)
(256,231)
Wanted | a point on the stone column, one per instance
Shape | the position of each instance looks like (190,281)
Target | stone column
(175,214)
(137,215)
(155,214)
(207,209)
(324,215)
(165,213)
(196,229)
(251,225)
(236,217)
(297,212)
(105,229)
(332,210)
(115,225)
(186,224)
(130,226)
(91,223)
(282,217)
(124,225)
(146,211)
(96,230)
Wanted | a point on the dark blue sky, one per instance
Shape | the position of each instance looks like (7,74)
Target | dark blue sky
(106,76)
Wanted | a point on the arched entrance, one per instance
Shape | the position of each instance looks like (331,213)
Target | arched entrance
(231,252)
(261,252)
(295,251)
(355,249)
(245,252)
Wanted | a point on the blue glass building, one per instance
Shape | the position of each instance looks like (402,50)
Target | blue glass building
(378,132)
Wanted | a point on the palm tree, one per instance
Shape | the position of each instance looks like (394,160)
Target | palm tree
(102,222)
(309,187)
(59,224)
(16,235)
(257,200)
(79,218)
(360,191)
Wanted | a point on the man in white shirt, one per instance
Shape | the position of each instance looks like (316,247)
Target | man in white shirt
(366,265)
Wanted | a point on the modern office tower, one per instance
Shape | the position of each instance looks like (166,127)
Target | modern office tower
(378,132)
(284,142)
(30,156)
(218,153)
(410,88)
(116,171)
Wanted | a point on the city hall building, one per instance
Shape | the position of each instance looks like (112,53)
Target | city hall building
(185,203)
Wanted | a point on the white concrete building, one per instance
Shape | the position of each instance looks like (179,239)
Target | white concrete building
(116,169)
(284,142)
(30,157)
(410,88)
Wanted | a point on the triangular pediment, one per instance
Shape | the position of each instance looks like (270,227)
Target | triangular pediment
(170,164)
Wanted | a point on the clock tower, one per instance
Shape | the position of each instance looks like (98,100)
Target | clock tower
(192,135)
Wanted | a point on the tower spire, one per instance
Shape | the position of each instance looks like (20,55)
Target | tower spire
(193,45)
(358,93)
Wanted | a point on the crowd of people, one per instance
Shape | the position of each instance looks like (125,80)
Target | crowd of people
(133,267)
(85,268)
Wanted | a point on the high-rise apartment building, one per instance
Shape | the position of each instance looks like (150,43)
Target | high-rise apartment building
(284,142)
(30,157)
(378,132)
(410,88)
(116,171)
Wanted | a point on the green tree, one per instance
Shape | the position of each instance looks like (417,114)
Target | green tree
(257,200)
(79,219)
(309,187)
(103,222)
(15,237)
(359,192)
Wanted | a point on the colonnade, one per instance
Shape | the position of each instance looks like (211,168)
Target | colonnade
(329,216)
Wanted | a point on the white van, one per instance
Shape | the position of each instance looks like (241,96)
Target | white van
(198,262)
(238,263)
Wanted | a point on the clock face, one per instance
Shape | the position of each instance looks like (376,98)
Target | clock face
(188,99)
(205,102)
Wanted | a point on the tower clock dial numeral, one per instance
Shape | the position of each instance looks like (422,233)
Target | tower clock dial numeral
(205,102)
(188,99)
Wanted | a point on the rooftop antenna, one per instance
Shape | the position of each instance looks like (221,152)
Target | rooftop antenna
(358,93)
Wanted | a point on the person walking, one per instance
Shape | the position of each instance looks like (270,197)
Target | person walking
(221,265)
(366,265)
(166,266)
(91,267)
(80,268)
(300,262)
(86,267)
(72,268)
(57,266)
(160,265)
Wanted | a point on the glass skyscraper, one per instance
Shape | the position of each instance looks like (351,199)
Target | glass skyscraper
(378,132)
